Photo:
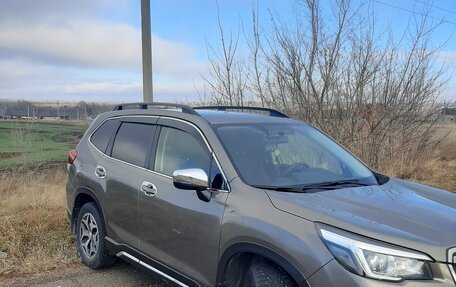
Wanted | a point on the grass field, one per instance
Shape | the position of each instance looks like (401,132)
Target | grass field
(34,232)
(25,144)
(34,229)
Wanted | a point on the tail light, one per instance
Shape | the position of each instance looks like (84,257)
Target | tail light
(72,154)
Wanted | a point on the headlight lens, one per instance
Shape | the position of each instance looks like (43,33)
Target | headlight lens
(376,260)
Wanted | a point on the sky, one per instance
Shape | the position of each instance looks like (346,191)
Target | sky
(66,50)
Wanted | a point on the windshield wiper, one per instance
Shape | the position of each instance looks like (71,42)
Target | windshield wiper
(333,184)
(317,186)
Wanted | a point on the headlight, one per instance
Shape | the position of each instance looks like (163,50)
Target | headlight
(376,260)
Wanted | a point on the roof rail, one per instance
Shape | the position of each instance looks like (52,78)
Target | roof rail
(272,112)
(147,106)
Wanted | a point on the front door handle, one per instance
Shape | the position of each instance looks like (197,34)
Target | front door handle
(100,171)
(148,188)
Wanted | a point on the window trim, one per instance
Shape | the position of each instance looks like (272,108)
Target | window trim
(153,148)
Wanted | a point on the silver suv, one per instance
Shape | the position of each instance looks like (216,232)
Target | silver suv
(213,197)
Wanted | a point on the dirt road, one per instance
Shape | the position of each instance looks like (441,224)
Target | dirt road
(122,274)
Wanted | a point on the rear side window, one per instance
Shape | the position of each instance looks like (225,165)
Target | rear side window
(102,135)
(132,143)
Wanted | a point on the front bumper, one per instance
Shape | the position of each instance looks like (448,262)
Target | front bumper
(333,274)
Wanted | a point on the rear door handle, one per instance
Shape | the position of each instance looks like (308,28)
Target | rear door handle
(148,188)
(100,171)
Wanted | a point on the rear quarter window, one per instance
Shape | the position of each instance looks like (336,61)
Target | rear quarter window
(133,142)
(100,138)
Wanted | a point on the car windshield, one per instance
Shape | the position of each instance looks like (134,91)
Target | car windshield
(290,155)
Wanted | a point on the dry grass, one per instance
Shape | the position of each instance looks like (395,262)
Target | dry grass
(34,229)
(437,167)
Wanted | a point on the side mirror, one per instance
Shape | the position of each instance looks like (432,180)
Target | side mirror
(193,179)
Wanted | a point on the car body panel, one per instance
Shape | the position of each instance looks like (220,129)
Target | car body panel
(180,230)
(394,212)
(81,175)
(251,218)
(121,200)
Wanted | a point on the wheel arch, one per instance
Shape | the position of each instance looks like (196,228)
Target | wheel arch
(254,249)
(83,196)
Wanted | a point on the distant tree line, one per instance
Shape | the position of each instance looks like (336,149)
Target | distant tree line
(28,109)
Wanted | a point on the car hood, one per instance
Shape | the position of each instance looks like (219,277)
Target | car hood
(398,212)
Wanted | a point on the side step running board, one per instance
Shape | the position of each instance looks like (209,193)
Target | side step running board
(136,260)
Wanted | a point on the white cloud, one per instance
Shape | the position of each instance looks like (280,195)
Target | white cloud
(94,44)
(18,68)
(81,43)
(52,49)
(99,88)
(98,91)
(37,11)
(447,57)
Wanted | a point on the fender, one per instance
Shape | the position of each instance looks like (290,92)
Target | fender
(248,247)
(87,191)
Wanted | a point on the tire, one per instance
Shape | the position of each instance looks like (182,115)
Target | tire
(90,234)
(264,273)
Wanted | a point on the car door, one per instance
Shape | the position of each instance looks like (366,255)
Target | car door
(124,171)
(177,228)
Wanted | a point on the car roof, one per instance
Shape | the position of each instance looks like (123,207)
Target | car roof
(213,115)
(210,116)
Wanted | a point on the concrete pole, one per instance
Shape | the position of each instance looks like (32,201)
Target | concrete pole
(146,51)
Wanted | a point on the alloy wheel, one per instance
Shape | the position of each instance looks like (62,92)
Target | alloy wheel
(88,235)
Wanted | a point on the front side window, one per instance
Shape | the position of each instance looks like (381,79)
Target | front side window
(132,143)
(285,155)
(178,149)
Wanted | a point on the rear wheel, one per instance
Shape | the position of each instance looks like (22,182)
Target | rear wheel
(90,234)
(264,273)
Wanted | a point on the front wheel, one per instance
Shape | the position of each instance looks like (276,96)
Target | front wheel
(90,234)
(264,273)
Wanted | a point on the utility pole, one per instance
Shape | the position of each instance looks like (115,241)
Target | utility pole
(146,51)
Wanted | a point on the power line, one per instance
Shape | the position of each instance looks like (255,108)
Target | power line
(413,12)
(436,7)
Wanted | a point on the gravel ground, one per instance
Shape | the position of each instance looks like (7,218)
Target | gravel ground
(122,274)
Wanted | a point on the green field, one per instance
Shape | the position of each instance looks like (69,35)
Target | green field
(26,144)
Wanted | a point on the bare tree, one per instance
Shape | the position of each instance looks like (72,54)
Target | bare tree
(335,69)
(227,78)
